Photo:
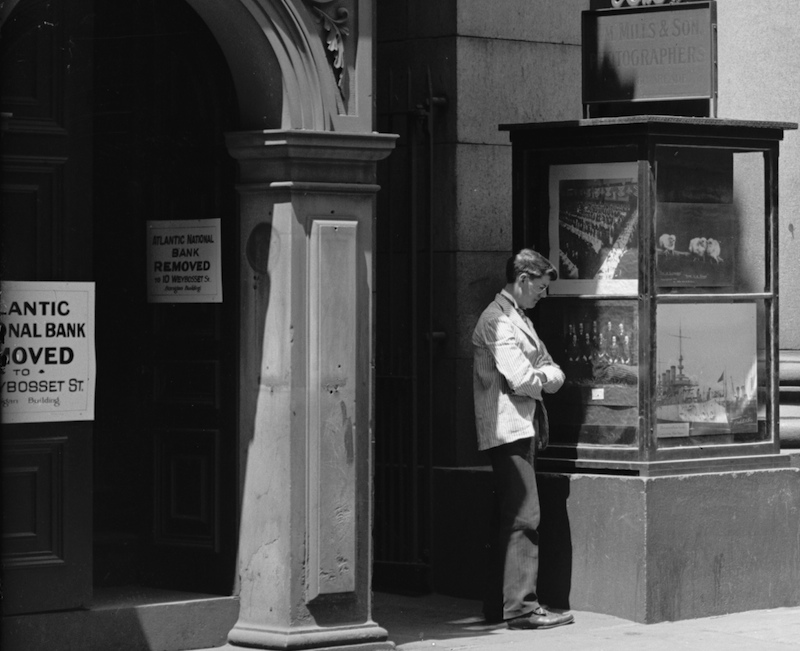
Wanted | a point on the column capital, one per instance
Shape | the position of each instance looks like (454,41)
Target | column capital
(295,155)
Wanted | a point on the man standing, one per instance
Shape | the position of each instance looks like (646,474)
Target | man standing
(511,370)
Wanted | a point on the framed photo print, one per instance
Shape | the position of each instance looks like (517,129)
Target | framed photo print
(594,217)
(707,375)
(596,344)
(695,245)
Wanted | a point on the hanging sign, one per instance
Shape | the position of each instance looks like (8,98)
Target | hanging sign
(48,355)
(184,261)
(660,53)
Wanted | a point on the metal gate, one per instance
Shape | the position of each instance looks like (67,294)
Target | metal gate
(404,345)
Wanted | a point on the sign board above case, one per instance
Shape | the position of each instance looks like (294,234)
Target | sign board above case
(660,58)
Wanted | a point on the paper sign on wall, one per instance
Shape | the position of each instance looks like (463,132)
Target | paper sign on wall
(48,351)
(184,262)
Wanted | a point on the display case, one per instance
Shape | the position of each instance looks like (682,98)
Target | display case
(665,314)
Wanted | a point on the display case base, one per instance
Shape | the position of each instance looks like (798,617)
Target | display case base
(646,549)
(653,549)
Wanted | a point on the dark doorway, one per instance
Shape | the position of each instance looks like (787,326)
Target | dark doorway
(165,428)
(114,114)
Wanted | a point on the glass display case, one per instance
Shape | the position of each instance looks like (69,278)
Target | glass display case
(665,314)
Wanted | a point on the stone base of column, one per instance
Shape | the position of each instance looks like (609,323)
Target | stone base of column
(364,637)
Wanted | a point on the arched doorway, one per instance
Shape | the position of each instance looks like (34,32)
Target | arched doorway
(165,430)
(115,115)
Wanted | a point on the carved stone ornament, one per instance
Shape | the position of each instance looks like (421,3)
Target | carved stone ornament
(334,21)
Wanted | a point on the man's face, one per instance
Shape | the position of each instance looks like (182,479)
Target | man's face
(533,289)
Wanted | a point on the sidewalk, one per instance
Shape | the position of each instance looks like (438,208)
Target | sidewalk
(435,622)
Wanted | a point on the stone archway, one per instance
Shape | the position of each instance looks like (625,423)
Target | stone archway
(267,40)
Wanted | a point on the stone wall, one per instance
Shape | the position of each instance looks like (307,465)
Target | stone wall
(758,79)
(519,62)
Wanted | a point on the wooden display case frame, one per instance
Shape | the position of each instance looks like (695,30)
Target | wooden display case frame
(582,148)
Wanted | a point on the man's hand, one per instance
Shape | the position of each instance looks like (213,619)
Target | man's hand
(554,378)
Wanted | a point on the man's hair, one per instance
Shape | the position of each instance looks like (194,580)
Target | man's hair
(530,262)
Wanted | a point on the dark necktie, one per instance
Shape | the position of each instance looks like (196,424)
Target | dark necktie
(524,316)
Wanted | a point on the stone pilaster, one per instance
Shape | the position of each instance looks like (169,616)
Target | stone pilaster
(307,204)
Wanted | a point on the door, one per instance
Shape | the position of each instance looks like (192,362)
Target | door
(165,441)
(46,236)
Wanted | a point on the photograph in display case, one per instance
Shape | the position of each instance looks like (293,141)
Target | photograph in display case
(695,245)
(594,218)
(707,372)
(596,344)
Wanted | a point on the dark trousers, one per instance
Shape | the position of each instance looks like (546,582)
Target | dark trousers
(515,549)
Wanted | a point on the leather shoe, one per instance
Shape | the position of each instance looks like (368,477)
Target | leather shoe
(541,618)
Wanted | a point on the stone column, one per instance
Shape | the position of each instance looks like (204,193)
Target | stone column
(307,205)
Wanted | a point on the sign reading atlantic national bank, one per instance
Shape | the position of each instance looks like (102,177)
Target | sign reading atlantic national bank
(652,52)
(184,261)
(47,353)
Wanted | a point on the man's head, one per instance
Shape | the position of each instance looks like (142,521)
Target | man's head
(528,275)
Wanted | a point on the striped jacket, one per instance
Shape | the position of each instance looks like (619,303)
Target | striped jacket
(506,386)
